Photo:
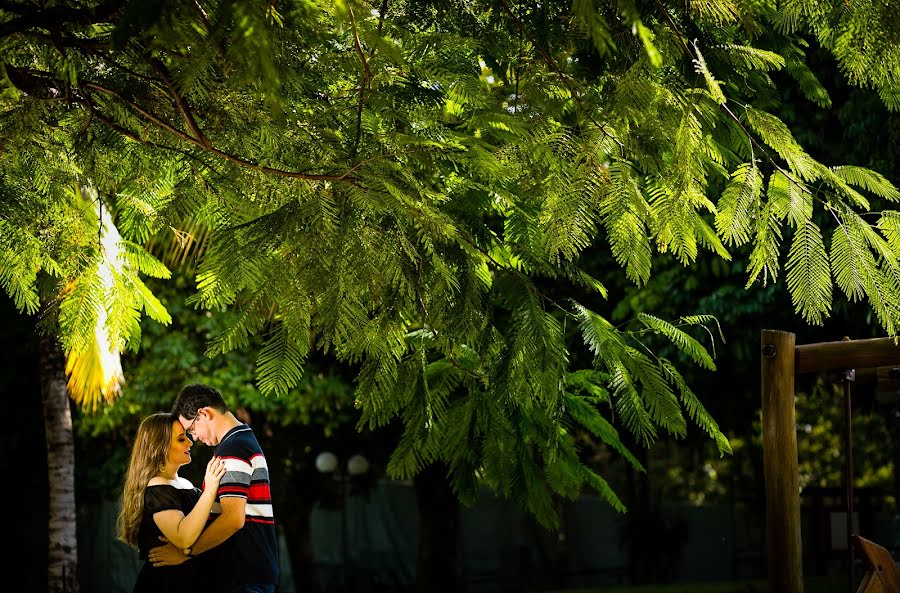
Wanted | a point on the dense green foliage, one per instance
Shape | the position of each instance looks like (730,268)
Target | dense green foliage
(414,188)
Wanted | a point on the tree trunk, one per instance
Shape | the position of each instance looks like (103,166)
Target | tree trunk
(62,573)
(440,564)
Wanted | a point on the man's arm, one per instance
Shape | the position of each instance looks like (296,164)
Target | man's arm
(222,527)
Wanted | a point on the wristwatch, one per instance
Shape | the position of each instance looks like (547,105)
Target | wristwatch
(187,552)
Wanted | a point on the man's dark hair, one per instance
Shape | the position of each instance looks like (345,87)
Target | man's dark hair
(195,396)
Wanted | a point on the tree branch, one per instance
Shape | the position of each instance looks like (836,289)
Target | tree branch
(566,79)
(366,83)
(58,40)
(382,156)
(96,50)
(363,85)
(281,172)
(55,17)
(750,139)
(182,105)
(44,86)
(133,136)
(358,45)
(159,122)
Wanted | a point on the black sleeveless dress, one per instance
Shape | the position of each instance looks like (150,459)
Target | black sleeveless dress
(166,579)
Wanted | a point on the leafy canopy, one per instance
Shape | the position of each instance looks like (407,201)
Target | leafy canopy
(411,187)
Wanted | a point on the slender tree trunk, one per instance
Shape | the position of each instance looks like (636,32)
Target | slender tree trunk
(440,564)
(62,575)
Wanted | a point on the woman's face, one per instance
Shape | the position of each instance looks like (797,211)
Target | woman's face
(180,447)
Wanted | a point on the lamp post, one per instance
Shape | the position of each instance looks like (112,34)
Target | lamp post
(357,465)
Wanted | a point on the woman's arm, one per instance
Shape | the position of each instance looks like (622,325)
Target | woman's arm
(182,530)
(224,526)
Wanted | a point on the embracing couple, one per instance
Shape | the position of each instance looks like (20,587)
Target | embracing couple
(219,538)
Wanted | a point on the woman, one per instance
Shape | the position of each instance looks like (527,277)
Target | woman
(157,502)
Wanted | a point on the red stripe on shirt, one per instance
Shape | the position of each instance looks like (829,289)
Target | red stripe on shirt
(259,492)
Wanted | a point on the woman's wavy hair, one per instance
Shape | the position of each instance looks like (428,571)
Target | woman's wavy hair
(148,458)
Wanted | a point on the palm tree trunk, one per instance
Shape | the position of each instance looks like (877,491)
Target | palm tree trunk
(62,575)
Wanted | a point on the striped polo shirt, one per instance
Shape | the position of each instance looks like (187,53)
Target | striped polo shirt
(252,551)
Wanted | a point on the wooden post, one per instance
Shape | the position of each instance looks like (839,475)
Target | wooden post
(785,552)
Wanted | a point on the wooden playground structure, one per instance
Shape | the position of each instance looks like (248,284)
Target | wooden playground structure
(781,361)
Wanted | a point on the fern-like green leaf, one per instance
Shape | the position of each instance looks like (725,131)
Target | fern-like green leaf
(791,197)
(764,257)
(602,488)
(695,409)
(680,339)
(851,261)
(734,214)
(777,135)
(630,405)
(19,266)
(657,394)
(808,274)
(750,58)
(144,262)
(590,20)
(870,180)
(152,306)
(889,225)
(624,211)
(718,12)
(589,417)
(279,365)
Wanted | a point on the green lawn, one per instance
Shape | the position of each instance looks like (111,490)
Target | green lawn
(822,585)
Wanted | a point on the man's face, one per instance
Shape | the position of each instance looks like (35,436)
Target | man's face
(199,427)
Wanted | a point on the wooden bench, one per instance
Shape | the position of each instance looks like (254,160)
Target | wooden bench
(882,575)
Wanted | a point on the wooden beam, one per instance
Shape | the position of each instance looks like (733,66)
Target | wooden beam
(785,552)
(884,379)
(887,385)
(846,354)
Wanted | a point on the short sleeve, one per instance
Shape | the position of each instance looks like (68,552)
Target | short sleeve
(237,479)
(161,498)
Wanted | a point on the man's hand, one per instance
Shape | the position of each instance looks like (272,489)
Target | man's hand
(167,555)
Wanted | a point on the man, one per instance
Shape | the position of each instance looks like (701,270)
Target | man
(243,523)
